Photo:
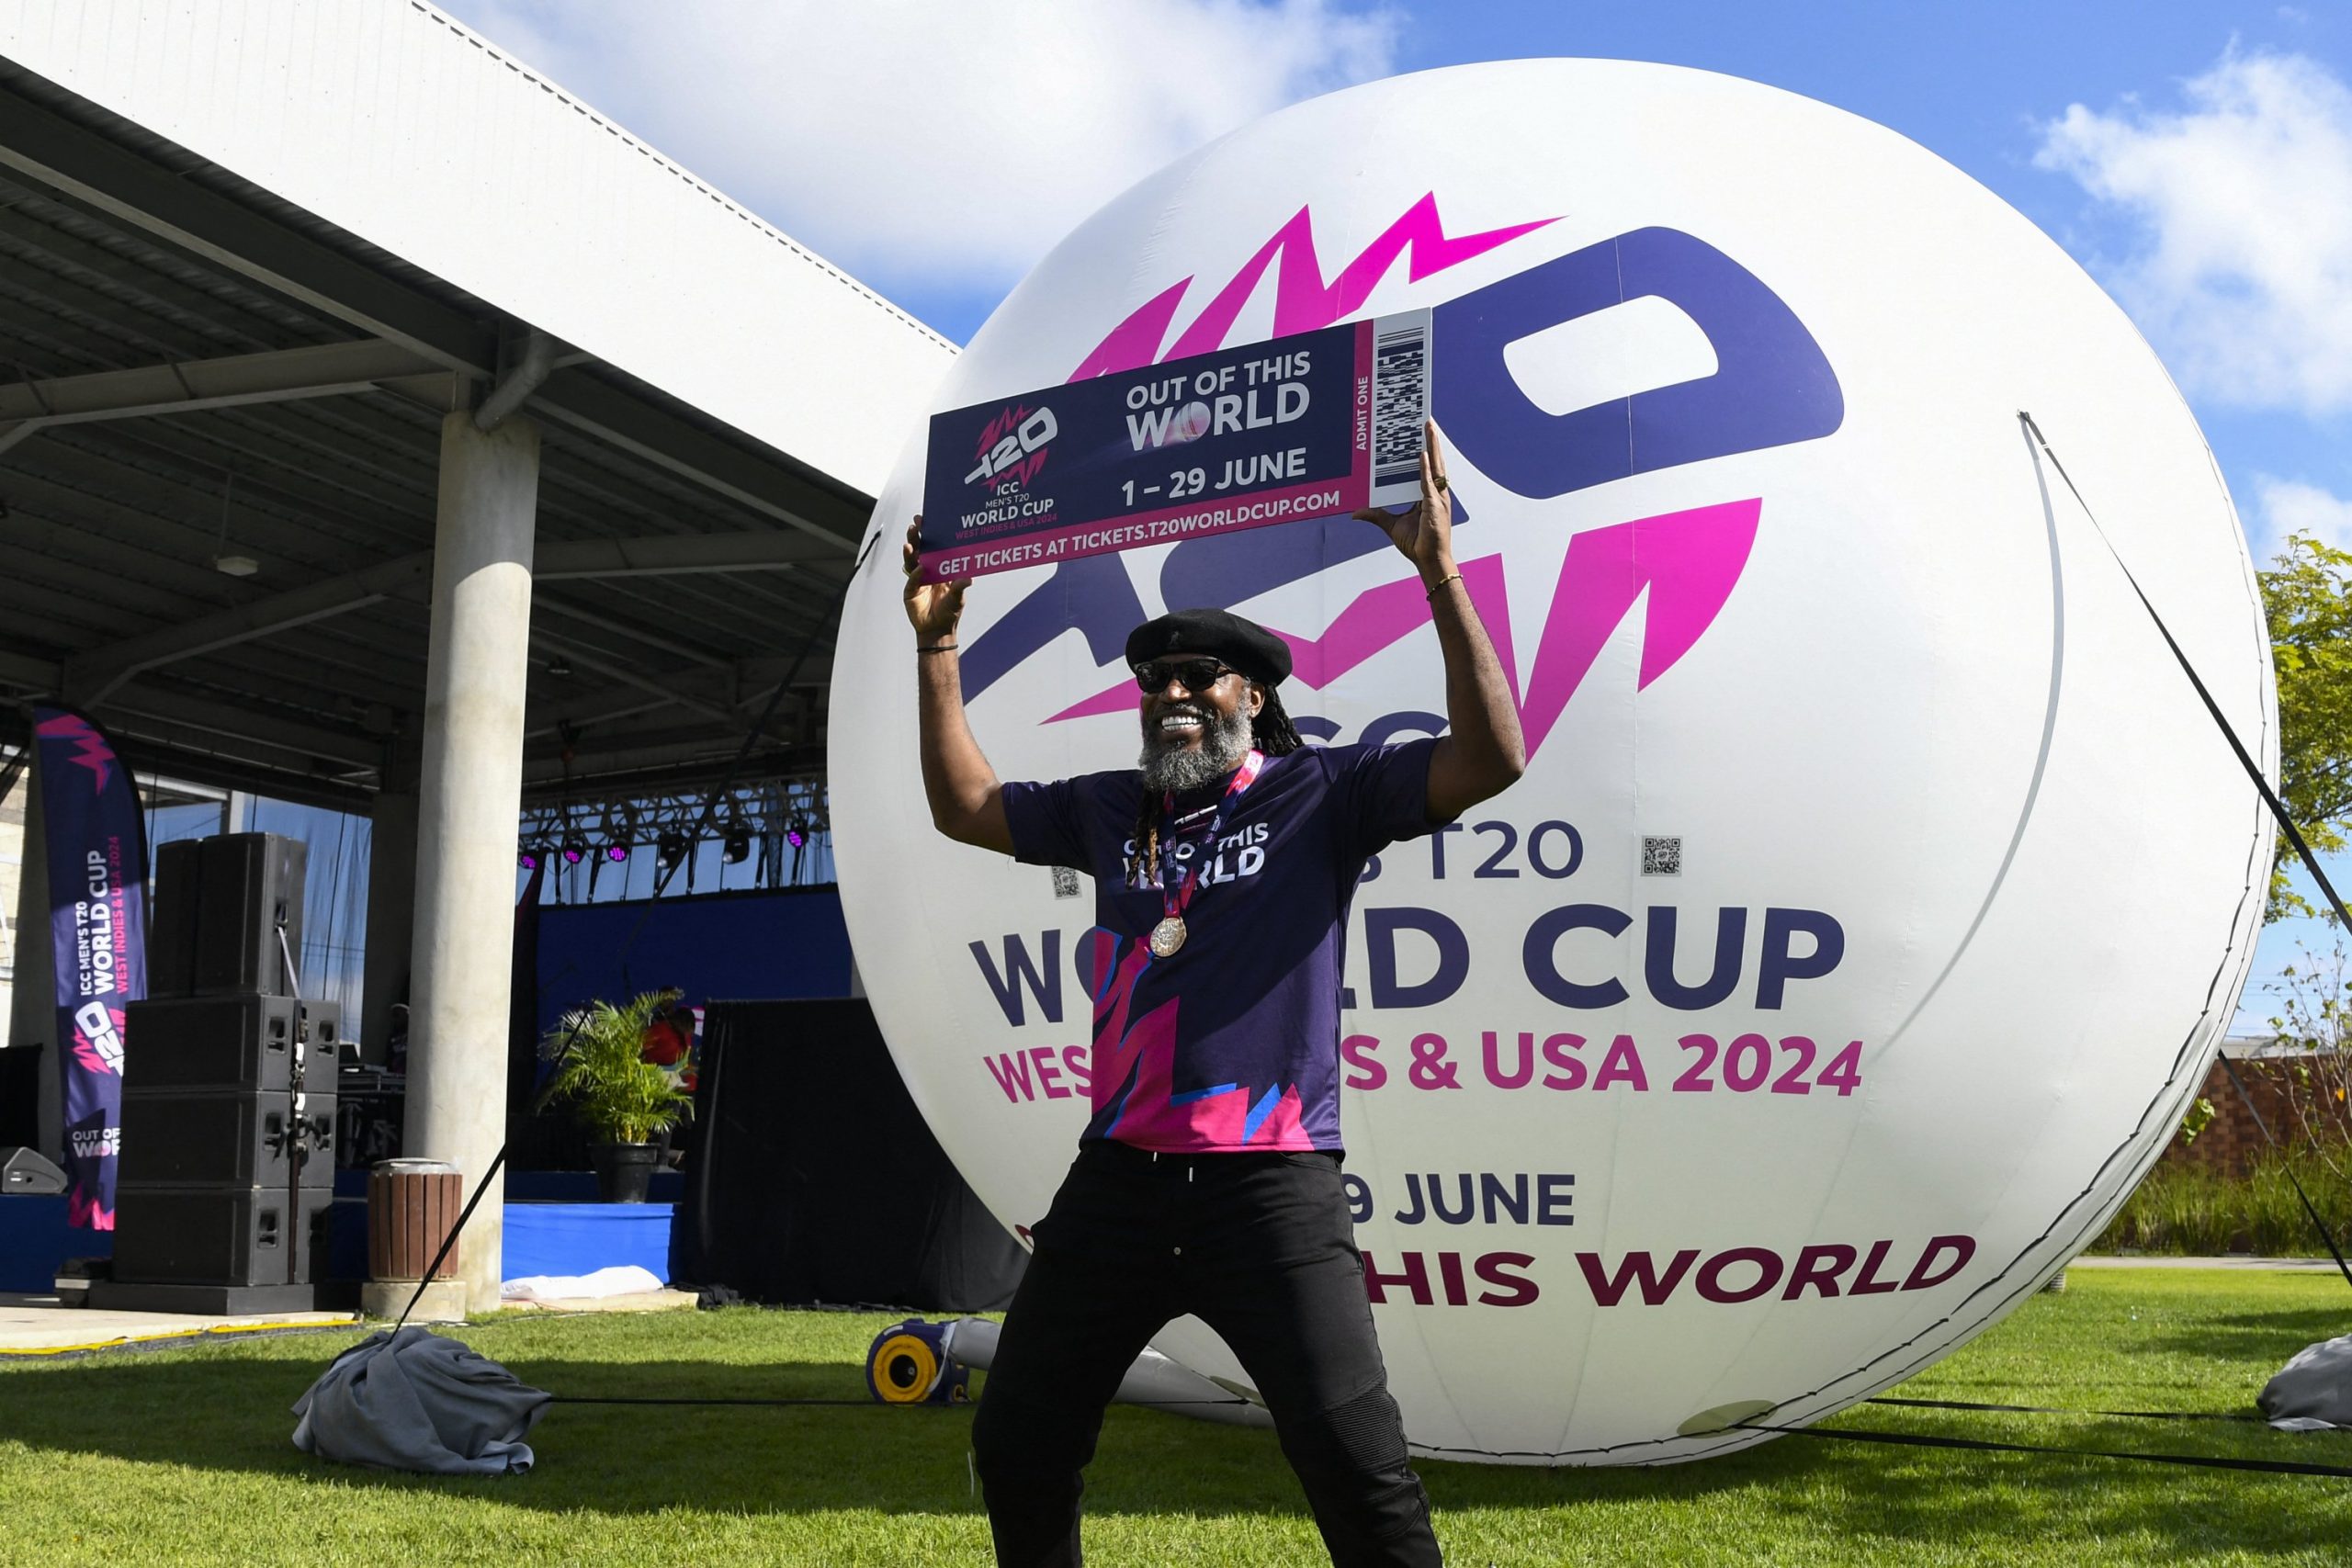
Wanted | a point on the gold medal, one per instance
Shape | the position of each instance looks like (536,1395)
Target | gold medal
(1168,936)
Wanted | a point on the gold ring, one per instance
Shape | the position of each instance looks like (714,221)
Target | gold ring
(1441,481)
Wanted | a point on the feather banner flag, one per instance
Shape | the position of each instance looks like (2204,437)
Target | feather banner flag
(98,897)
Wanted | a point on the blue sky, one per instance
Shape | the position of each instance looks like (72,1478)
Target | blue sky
(2195,155)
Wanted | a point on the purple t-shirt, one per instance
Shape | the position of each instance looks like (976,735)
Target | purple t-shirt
(1232,1043)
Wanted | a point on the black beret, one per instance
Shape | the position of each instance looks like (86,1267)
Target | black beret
(1244,645)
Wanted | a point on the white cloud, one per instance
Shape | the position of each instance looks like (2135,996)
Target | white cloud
(934,141)
(2289,506)
(2245,197)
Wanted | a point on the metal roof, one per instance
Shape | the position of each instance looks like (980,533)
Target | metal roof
(196,370)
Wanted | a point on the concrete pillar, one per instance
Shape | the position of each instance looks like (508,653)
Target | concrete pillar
(33,1001)
(392,895)
(469,801)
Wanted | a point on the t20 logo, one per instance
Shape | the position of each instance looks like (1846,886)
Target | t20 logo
(1013,447)
(1772,386)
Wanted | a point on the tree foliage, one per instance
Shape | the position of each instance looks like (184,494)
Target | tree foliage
(2307,594)
(2315,1018)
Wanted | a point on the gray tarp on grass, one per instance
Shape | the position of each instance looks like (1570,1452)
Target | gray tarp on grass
(2313,1392)
(415,1400)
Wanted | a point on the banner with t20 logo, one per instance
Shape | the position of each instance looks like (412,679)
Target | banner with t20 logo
(98,897)
(1315,424)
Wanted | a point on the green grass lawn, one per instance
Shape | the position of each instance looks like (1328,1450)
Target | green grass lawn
(183,1456)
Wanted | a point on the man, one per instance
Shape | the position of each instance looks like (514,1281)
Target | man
(1207,1181)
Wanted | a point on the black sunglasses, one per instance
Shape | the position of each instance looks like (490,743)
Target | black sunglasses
(1197,674)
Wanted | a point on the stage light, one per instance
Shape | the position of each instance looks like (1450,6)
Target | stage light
(670,848)
(738,846)
(797,834)
(575,850)
(527,858)
(617,852)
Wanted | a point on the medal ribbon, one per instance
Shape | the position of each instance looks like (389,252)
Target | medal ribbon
(1175,900)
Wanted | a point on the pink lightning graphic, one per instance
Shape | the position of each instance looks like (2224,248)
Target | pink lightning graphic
(1139,1053)
(91,750)
(1686,562)
(1303,301)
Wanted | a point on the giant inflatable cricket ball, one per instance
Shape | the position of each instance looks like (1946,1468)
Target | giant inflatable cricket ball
(1877,891)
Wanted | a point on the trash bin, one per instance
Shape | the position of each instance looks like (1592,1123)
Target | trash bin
(412,1206)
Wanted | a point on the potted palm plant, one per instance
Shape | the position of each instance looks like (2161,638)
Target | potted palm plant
(625,1101)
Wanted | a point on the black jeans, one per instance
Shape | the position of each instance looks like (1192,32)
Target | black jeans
(1260,1247)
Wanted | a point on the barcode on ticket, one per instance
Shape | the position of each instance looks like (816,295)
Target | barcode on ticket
(1400,402)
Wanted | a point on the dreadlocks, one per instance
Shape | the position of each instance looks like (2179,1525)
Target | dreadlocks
(1276,736)
(1270,732)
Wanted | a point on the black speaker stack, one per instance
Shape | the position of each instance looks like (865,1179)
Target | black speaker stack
(226,1178)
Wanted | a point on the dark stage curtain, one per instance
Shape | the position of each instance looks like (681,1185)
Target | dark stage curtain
(20,1095)
(814,1178)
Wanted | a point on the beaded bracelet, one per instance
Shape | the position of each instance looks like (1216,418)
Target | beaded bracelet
(1431,595)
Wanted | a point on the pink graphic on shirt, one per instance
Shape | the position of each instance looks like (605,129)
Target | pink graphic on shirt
(1134,1077)
(1687,563)
(1303,301)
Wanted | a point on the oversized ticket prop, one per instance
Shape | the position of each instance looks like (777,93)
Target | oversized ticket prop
(1316,425)
(1878,890)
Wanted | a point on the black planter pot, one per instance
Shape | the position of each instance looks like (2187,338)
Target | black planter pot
(624,1171)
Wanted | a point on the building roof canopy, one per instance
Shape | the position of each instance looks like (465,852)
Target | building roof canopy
(205,372)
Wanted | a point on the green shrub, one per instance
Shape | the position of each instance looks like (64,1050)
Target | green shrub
(2185,1209)
(600,1068)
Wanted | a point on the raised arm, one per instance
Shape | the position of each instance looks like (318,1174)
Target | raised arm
(965,802)
(1481,754)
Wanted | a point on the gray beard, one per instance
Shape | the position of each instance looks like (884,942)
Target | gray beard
(1173,767)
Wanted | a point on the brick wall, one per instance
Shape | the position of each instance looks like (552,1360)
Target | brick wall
(2233,1140)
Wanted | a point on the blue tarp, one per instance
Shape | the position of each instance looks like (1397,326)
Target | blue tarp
(787,943)
(541,1238)
(580,1238)
(35,1238)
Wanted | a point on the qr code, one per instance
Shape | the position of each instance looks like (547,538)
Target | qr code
(1065,882)
(1661,857)
(1401,400)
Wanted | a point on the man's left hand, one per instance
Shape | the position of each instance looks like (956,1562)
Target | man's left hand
(1482,750)
(1424,532)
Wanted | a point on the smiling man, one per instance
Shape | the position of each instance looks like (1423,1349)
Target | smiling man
(1207,1179)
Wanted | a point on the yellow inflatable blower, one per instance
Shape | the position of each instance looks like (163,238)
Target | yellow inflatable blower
(908,1363)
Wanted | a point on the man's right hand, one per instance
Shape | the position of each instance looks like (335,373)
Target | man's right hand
(966,804)
(933,608)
